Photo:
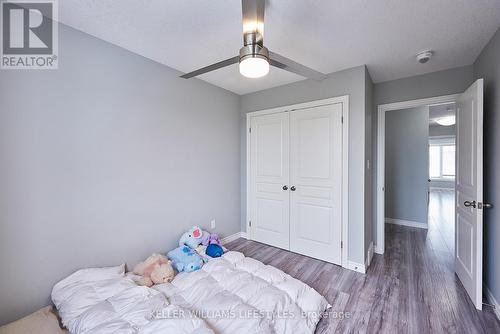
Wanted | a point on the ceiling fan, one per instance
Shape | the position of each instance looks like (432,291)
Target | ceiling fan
(254,58)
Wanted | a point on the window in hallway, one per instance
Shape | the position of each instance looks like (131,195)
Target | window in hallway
(442,158)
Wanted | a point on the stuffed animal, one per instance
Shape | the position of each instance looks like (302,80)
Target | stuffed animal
(155,270)
(211,238)
(201,250)
(185,259)
(214,250)
(193,237)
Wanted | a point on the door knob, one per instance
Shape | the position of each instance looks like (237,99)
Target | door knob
(484,205)
(470,204)
(293,188)
(285,187)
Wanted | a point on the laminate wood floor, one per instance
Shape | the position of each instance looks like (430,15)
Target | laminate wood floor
(442,217)
(412,288)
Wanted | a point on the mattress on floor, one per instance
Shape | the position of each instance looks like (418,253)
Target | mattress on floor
(43,321)
(231,294)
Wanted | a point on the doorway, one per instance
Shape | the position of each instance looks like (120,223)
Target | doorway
(442,173)
(468,194)
(381,163)
(420,170)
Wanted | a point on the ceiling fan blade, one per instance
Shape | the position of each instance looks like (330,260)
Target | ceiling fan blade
(253,16)
(291,66)
(212,67)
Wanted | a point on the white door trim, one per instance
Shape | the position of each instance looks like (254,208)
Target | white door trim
(345,161)
(381,110)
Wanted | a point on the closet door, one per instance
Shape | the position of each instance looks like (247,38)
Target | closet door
(269,172)
(316,182)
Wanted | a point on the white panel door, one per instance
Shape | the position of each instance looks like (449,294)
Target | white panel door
(469,192)
(316,182)
(269,172)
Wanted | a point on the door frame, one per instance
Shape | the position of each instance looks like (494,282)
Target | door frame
(345,161)
(381,110)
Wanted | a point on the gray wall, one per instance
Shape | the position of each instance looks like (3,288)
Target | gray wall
(436,130)
(442,184)
(105,161)
(452,81)
(487,66)
(348,82)
(406,164)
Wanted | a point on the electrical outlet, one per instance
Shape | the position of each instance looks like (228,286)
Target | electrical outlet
(212,224)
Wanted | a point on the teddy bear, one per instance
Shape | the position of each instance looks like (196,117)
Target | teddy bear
(156,269)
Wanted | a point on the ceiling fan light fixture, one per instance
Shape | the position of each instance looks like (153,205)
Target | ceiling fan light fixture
(446,121)
(254,61)
(254,58)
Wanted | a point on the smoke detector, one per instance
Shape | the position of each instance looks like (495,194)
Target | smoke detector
(424,56)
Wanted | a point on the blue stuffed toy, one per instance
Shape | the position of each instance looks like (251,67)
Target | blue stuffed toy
(193,237)
(185,259)
(214,250)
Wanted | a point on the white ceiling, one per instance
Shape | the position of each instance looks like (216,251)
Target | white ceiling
(439,111)
(325,35)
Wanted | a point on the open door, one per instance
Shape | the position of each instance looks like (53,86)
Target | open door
(469,192)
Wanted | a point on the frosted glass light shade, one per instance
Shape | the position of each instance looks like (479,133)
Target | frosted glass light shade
(446,121)
(254,67)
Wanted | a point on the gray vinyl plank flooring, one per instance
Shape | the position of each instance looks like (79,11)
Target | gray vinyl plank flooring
(412,288)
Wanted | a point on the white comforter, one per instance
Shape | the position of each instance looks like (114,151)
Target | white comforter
(231,294)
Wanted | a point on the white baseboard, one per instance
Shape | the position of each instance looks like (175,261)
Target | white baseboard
(379,250)
(369,256)
(359,267)
(442,188)
(403,222)
(233,237)
(491,299)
